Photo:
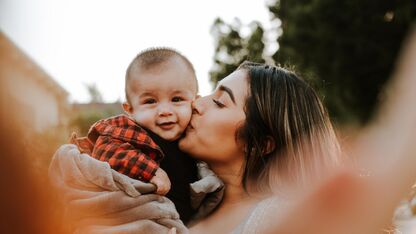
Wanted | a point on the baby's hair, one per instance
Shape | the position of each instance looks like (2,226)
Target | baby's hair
(151,58)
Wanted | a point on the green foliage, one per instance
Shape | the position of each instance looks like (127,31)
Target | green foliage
(84,118)
(232,48)
(82,122)
(94,92)
(40,147)
(85,115)
(349,46)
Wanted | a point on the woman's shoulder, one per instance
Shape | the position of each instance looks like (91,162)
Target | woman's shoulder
(258,216)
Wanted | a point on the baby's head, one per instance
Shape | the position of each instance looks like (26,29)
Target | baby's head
(160,87)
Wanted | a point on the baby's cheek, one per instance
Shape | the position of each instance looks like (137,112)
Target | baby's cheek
(143,117)
(185,113)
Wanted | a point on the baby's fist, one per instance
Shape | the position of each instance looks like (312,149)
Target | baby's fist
(162,182)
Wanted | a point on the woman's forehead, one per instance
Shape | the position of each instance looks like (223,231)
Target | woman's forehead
(237,83)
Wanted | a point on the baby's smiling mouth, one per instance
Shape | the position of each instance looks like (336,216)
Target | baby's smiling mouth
(166,125)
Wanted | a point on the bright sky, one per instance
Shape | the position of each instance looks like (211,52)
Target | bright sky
(93,41)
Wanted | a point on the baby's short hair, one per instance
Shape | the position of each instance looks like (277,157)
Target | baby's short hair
(151,58)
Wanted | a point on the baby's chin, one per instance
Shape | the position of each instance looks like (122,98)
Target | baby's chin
(175,137)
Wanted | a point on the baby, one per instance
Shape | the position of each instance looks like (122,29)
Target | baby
(160,87)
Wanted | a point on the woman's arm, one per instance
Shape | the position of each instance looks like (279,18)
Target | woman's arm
(98,199)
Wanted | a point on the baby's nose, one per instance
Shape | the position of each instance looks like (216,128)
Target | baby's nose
(165,110)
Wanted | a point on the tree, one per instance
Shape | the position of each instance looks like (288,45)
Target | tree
(232,48)
(94,92)
(85,115)
(347,46)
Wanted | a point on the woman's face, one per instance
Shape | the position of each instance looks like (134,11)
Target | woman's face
(211,134)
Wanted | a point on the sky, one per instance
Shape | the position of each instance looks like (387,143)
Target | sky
(81,42)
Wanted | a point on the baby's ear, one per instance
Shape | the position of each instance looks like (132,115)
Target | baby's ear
(127,108)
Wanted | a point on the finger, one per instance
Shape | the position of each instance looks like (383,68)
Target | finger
(163,191)
(159,191)
(107,203)
(172,231)
(124,184)
(139,226)
(174,223)
(143,187)
(166,189)
(149,211)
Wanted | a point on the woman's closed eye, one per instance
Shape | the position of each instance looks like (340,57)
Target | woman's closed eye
(218,103)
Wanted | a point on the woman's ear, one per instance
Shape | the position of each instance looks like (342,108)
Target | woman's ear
(270,145)
(127,108)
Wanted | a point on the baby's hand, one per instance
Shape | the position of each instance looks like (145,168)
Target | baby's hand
(162,182)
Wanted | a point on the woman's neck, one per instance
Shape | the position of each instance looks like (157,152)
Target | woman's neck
(232,178)
(236,203)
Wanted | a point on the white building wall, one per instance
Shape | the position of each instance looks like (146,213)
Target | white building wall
(43,107)
(38,100)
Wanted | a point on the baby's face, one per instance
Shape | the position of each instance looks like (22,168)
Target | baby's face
(161,99)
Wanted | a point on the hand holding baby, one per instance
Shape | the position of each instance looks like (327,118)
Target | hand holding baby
(162,182)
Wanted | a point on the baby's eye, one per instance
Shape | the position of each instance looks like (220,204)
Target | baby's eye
(177,99)
(149,101)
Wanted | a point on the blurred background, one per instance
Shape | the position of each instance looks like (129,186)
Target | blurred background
(62,63)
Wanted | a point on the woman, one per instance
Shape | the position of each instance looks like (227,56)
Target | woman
(282,135)
(263,128)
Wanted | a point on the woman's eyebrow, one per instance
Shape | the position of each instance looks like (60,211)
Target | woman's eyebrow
(227,90)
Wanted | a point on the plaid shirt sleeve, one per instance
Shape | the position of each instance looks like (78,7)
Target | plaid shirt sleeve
(126,159)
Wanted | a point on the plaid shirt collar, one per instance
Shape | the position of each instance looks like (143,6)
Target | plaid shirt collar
(125,129)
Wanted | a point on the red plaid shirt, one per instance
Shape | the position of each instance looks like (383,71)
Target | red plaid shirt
(125,146)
